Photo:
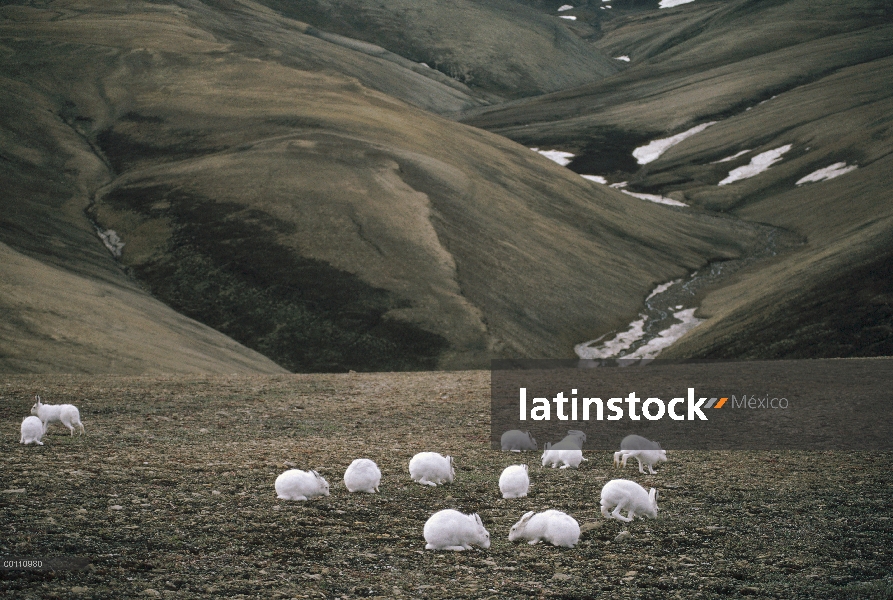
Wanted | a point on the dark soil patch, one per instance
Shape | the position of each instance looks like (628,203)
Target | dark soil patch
(224,268)
(170,494)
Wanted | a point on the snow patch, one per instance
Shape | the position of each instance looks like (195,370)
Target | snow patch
(757,165)
(661,289)
(111,241)
(562,158)
(564,7)
(615,345)
(654,198)
(668,336)
(729,158)
(568,17)
(595,178)
(624,58)
(651,152)
(835,170)
(672,3)
(619,186)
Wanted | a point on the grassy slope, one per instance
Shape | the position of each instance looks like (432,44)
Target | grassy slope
(496,47)
(830,69)
(171,489)
(244,185)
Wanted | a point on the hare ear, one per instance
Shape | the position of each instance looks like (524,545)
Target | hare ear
(525,468)
(477,518)
(527,516)
(652,495)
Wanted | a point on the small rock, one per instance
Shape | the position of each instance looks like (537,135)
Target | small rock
(15,491)
(78,590)
(314,577)
(277,507)
(590,526)
(561,577)
(289,464)
(151,592)
(203,430)
(215,492)
(623,536)
(116,507)
(490,563)
(631,573)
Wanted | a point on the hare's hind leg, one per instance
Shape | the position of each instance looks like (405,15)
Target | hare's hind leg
(616,514)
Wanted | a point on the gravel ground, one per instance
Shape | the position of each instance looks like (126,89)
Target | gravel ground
(170,494)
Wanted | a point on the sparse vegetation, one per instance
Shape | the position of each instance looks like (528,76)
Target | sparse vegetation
(171,490)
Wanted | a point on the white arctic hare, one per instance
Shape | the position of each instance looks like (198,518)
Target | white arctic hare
(32,430)
(516,440)
(575,437)
(295,484)
(451,530)
(554,526)
(363,475)
(643,450)
(514,481)
(431,468)
(565,453)
(67,414)
(623,494)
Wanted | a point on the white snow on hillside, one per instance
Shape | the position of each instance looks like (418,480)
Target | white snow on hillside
(568,17)
(668,336)
(652,151)
(111,240)
(562,158)
(662,288)
(835,170)
(615,345)
(757,165)
(595,178)
(672,3)
(564,7)
(655,198)
(624,58)
(729,158)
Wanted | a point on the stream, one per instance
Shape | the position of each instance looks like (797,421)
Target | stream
(670,307)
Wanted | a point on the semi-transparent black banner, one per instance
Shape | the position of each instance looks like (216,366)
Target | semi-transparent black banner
(822,404)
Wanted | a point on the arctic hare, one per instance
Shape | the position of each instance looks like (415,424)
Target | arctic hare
(514,481)
(67,414)
(430,468)
(451,530)
(564,452)
(516,440)
(553,526)
(295,484)
(623,494)
(643,450)
(32,430)
(363,475)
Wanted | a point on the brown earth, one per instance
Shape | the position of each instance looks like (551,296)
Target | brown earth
(170,494)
